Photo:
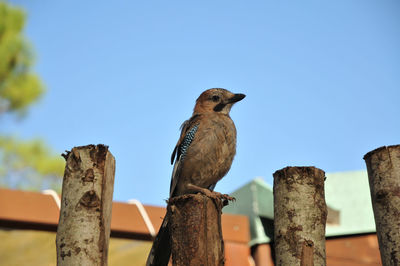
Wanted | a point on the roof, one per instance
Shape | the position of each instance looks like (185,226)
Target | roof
(33,210)
(349,193)
(40,211)
(255,199)
(346,194)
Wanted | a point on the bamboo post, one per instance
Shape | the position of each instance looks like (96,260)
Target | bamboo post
(383,165)
(196,232)
(299,216)
(84,226)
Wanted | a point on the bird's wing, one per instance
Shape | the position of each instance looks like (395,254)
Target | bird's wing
(189,129)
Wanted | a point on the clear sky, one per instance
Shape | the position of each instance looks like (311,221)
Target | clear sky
(322,80)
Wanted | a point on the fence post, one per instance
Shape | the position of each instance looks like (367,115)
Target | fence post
(196,232)
(383,165)
(299,216)
(84,226)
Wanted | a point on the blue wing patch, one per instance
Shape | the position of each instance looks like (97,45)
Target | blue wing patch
(187,140)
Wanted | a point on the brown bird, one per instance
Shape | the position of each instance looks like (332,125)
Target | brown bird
(203,155)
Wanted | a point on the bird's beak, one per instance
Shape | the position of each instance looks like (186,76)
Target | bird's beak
(237,97)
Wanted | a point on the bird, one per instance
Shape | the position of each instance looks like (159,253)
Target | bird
(202,156)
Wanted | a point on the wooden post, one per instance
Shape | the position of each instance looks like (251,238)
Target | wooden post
(262,254)
(383,165)
(84,227)
(299,216)
(196,232)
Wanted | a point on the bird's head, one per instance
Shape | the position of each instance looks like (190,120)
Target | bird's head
(216,101)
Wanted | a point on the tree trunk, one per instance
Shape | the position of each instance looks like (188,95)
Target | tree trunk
(84,227)
(196,232)
(383,165)
(299,216)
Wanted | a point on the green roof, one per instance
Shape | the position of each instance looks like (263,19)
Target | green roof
(345,192)
(255,200)
(348,192)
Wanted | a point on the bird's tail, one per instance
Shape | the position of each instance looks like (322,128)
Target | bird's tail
(161,249)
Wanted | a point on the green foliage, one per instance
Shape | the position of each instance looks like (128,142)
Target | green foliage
(19,87)
(23,164)
(34,153)
(29,164)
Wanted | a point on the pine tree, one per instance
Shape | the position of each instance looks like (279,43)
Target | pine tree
(24,164)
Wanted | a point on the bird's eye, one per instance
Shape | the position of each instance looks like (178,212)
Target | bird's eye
(215,98)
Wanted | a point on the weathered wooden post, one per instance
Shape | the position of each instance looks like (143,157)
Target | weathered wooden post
(299,216)
(196,232)
(84,227)
(383,165)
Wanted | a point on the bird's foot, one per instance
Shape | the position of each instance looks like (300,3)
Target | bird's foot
(225,198)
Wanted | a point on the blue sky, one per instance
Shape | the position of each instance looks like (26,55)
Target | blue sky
(322,80)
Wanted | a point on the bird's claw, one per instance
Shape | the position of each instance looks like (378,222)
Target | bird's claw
(225,198)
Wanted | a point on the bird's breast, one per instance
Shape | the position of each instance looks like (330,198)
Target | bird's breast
(211,152)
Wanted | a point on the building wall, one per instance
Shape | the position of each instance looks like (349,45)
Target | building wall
(356,250)
(353,251)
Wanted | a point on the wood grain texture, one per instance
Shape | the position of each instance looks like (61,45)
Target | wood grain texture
(196,232)
(299,216)
(383,165)
(85,216)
